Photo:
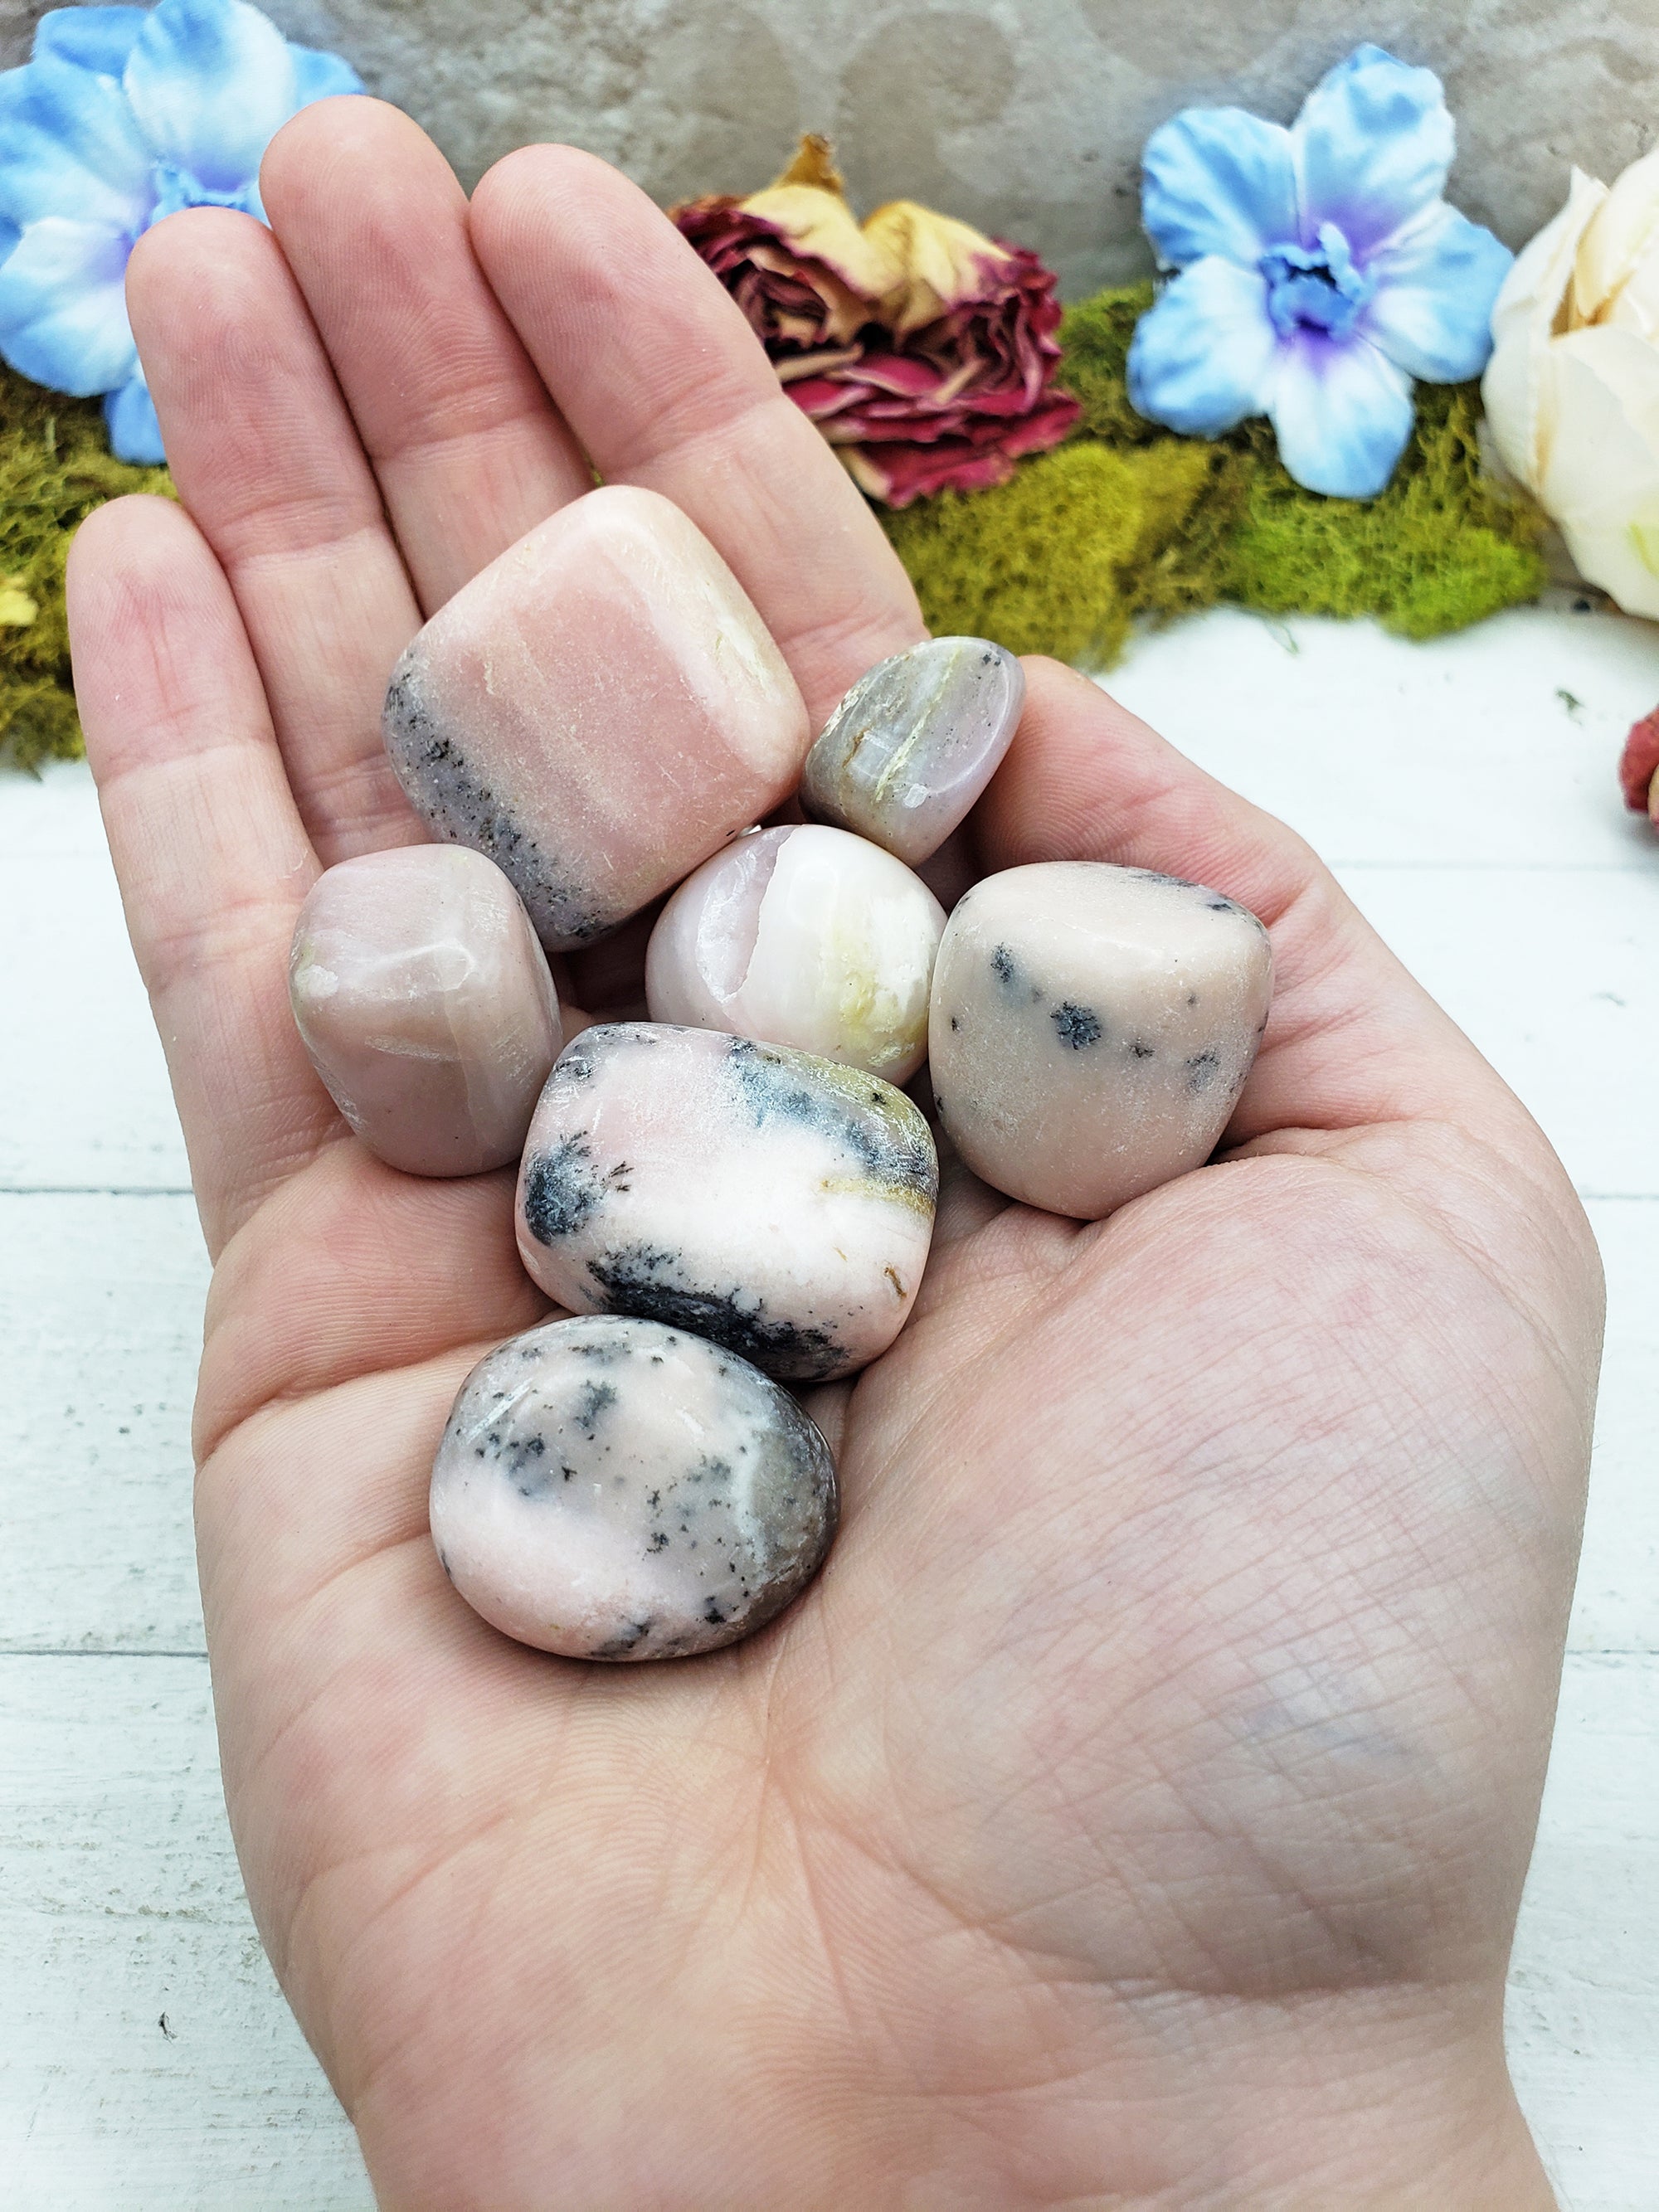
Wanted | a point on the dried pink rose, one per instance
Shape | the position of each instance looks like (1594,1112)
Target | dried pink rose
(923,350)
(1638,771)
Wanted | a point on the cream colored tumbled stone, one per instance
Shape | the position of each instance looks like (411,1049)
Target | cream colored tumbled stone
(426,1005)
(806,937)
(614,1489)
(1092,1028)
(773,1202)
(597,710)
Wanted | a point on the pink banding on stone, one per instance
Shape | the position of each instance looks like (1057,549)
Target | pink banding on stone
(597,711)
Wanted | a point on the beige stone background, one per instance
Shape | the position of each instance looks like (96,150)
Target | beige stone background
(1024,116)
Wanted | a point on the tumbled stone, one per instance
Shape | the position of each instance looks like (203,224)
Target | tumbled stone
(1092,1028)
(614,1489)
(804,937)
(777,1204)
(914,743)
(597,710)
(425,1003)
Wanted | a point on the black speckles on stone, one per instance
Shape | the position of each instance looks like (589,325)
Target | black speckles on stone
(1157,876)
(1202,1069)
(624,1640)
(593,1400)
(1077,1027)
(955,1024)
(878,1129)
(645,1282)
(1141,1051)
(463,808)
(1002,964)
(562,1191)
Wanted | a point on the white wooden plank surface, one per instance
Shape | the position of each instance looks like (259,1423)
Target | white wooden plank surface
(1469,807)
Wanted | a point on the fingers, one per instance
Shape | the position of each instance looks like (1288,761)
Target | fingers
(212,858)
(469,451)
(268,461)
(658,374)
(1352,1039)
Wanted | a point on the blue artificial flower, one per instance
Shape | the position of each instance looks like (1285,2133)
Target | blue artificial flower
(122,116)
(1321,271)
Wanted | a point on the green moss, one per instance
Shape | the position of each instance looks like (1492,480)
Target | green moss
(55,467)
(1064,558)
(1128,523)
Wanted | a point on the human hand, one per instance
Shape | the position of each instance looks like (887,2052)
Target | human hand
(1135,1810)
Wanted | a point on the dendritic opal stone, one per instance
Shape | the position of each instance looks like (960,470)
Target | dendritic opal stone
(597,710)
(1092,1029)
(776,1204)
(914,743)
(804,937)
(613,1489)
(425,1003)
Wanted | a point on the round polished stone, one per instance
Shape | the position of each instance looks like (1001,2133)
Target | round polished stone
(614,1489)
(776,1204)
(426,1005)
(804,937)
(1092,1028)
(914,743)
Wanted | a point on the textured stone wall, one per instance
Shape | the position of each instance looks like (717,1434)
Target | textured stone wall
(1024,115)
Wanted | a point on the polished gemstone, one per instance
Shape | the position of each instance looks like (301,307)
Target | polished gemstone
(614,1489)
(597,710)
(914,743)
(777,1204)
(1092,1028)
(426,1005)
(804,937)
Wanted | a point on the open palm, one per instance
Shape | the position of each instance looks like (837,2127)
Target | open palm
(1135,1811)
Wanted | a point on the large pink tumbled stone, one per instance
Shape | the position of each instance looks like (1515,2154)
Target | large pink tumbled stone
(598,710)
(425,1003)
(1092,1029)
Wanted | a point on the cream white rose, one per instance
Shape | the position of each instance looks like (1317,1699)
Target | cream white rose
(1572,390)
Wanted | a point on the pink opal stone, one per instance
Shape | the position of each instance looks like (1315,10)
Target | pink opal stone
(617,1490)
(425,1003)
(804,937)
(912,745)
(1092,1029)
(597,710)
(777,1204)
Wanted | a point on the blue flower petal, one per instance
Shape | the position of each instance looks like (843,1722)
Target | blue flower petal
(70,146)
(1437,282)
(317,75)
(210,82)
(1342,413)
(63,306)
(98,39)
(1374,142)
(1204,357)
(1217,180)
(134,433)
